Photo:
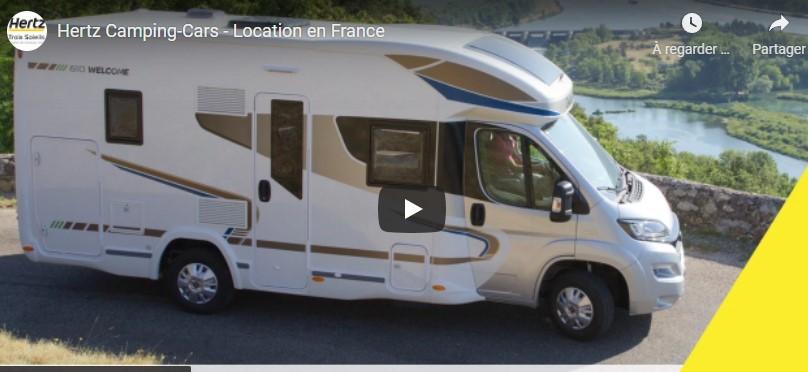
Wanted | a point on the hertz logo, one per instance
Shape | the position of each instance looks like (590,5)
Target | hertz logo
(20,24)
(27,31)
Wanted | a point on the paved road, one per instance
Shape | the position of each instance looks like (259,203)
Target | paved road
(117,314)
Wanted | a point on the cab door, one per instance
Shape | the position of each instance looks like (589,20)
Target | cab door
(280,203)
(508,182)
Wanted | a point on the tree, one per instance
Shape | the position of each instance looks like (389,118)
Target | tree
(762,85)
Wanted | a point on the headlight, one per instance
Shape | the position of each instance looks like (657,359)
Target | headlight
(648,230)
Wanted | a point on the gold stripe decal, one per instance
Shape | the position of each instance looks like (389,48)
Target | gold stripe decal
(491,242)
(236,129)
(474,81)
(410,62)
(354,252)
(178,182)
(292,247)
(330,159)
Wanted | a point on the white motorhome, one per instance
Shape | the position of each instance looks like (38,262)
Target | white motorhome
(224,163)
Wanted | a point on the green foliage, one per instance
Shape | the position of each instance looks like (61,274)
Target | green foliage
(793,96)
(750,171)
(615,93)
(486,14)
(717,73)
(716,77)
(6,108)
(777,131)
(723,77)
(584,61)
(781,132)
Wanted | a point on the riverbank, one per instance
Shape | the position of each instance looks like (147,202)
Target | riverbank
(781,132)
(793,96)
(592,91)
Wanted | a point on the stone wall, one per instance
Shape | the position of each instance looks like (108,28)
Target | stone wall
(712,209)
(6,174)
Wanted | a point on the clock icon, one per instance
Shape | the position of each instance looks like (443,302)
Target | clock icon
(691,23)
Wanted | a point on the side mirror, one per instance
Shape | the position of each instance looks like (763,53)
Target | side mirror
(561,210)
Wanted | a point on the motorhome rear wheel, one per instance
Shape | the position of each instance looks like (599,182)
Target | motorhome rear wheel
(200,282)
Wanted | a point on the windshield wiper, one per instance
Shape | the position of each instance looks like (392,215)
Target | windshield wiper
(611,188)
(622,179)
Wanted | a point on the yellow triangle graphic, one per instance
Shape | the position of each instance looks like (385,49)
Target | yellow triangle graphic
(762,325)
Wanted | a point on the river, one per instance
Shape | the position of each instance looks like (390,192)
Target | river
(691,132)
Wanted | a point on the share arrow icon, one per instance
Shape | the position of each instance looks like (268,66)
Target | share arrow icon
(781,23)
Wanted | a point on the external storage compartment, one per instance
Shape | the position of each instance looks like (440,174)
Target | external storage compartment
(409,270)
(66,195)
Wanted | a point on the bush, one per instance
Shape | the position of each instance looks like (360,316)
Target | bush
(6,105)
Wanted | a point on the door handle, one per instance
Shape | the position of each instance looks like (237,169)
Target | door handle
(264,191)
(477,214)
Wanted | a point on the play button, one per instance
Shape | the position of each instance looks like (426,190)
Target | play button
(411,210)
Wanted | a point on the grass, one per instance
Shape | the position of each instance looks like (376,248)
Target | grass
(640,52)
(8,202)
(14,350)
(592,91)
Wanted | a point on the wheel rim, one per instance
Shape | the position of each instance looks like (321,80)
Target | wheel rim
(574,308)
(197,283)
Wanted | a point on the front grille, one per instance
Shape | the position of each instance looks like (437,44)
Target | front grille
(635,193)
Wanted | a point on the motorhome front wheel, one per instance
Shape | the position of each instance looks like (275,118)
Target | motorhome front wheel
(582,305)
(200,281)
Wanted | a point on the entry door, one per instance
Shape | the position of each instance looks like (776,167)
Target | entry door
(280,202)
(509,182)
(66,195)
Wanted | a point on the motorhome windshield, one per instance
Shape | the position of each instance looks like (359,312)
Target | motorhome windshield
(585,153)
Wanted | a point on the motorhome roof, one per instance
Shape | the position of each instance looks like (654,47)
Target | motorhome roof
(542,89)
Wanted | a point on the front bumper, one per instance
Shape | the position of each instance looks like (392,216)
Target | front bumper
(660,288)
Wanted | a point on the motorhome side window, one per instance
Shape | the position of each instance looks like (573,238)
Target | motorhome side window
(401,154)
(515,171)
(286,145)
(124,116)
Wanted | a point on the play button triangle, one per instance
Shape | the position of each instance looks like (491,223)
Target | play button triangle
(410,209)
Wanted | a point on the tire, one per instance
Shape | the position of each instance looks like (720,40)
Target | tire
(580,286)
(199,294)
